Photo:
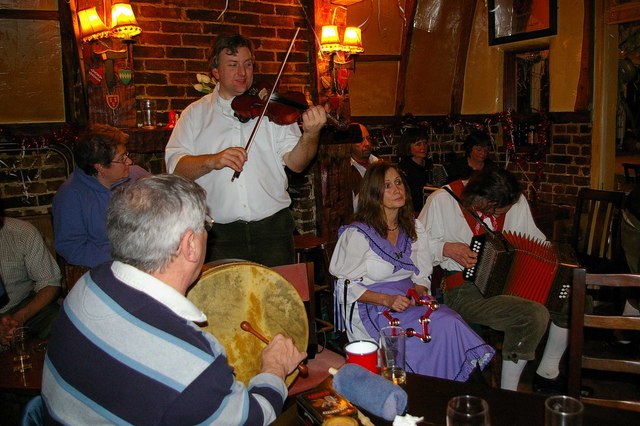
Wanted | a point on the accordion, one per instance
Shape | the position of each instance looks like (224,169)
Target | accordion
(515,265)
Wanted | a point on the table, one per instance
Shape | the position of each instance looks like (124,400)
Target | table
(28,382)
(428,397)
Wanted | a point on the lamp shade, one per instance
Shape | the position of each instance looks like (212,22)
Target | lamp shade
(352,41)
(330,40)
(123,21)
(91,26)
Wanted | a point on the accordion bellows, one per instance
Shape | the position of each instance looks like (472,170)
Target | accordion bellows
(514,264)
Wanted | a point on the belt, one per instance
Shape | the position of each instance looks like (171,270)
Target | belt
(273,217)
(451,280)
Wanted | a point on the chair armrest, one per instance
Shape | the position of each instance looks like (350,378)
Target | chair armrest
(325,326)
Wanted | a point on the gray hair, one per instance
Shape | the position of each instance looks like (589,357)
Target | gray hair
(147,219)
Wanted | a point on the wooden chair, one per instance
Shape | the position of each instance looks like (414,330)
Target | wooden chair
(631,172)
(426,191)
(301,276)
(70,273)
(579,358)
(595,232)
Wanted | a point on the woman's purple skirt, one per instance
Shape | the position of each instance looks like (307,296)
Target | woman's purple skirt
(454,350)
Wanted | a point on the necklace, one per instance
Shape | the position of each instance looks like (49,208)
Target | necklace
(392,229)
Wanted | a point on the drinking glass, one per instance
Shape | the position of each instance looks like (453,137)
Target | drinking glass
(148,111)
(21,345)
(562,410)
(467,410)
(392,354)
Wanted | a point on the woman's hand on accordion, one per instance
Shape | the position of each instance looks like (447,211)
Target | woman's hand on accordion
(461,253)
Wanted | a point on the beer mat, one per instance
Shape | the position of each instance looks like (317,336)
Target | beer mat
(322,403)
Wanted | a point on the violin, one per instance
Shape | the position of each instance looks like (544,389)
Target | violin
(282,108)
(262,100)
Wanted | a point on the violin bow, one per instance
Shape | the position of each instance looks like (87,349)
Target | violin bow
(266,104)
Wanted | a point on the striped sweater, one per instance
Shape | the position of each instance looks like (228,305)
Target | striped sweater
(120,356)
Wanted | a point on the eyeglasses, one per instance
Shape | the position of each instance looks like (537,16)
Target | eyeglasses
(123,158)
(208,222)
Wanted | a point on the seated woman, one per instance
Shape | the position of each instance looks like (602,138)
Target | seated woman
(476,151)
(80,205)
(416,164)
(377,259)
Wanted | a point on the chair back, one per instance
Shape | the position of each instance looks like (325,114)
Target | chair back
(70,273)
(33,413)
(581,358)
(426,191)
(631,172)
(301,276)
(595,233)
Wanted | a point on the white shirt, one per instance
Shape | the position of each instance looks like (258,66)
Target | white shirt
(354,260)
(362,170)
(445,223)
(208,126)
(158,290)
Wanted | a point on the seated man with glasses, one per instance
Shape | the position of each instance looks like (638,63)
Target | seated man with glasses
(80,206)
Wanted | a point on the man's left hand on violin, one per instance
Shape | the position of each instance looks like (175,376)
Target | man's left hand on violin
(314,119)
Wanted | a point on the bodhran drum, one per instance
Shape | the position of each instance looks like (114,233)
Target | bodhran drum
(230,292)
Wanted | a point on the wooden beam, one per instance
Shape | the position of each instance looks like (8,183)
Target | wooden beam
(466,24)
(623,13)
(584,95)
(379,58)
(44,15)
(405,48)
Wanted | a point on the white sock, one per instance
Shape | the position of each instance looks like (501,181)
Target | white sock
(557,342)
(629,310)
(511,372)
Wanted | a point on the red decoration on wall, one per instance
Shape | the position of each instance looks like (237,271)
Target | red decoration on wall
(113,101)
(96,75)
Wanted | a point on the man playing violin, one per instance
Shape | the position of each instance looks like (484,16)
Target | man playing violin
(253,220)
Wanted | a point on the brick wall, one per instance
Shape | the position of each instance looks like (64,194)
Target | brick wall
(29,178)
(177,35)
(566,169)
(174,47)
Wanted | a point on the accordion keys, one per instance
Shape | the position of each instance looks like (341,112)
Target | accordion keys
(513,264)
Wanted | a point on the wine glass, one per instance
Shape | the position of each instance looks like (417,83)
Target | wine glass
(467,410)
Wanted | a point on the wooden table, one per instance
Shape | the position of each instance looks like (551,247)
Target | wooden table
(28,382)
(428,397)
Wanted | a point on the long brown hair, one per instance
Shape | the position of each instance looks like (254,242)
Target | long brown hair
(370,209)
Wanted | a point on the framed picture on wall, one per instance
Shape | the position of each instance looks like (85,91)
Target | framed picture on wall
(516,20)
